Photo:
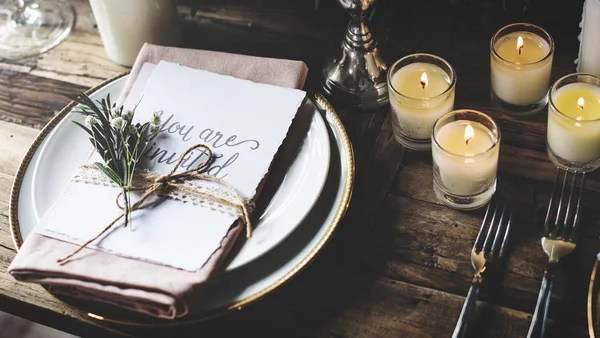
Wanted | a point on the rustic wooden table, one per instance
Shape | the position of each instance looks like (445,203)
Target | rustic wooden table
(399,263)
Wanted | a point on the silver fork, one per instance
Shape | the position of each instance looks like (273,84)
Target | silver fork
(487,254)
(559,240)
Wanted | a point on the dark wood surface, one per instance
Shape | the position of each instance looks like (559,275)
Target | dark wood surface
(398,266)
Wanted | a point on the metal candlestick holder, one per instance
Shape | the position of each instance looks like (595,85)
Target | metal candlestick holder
(357,78)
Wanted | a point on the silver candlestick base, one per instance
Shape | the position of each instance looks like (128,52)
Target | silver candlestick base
(357,78)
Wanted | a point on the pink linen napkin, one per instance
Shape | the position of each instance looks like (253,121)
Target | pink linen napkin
(278,72)
(138,286)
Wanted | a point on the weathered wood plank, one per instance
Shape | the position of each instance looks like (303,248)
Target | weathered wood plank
(14,142)
(380,166)
(429,237)
(284,21)
(415,181)
(344,301)
(430,245)
(31,100)
(81,58)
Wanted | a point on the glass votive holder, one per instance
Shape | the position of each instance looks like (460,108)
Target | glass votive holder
(574,123)
(465,148)
(421,89)
(520,66)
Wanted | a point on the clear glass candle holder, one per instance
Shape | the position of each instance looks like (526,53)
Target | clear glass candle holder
(574,123)
(520,65)
(415,104)
(465,148)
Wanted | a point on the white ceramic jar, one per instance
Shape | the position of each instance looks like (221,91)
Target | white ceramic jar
(125,25)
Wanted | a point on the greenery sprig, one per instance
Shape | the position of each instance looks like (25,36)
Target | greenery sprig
(118,140)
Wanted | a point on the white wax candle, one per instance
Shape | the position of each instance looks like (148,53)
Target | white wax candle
(467,157)
(589,48)
(518,74)
(421,103)
(574,133)
(125,25)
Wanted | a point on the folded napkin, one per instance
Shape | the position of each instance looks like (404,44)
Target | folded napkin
(278,72)
(138,286)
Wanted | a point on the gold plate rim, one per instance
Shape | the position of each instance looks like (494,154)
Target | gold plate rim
(590,300)
(321,103)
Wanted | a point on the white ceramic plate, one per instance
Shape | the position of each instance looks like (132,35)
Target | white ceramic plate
(231,290)
(66,147)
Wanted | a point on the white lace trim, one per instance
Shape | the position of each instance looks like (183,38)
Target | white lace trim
(197,192)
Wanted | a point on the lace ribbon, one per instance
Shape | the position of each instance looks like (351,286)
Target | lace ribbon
(190,186)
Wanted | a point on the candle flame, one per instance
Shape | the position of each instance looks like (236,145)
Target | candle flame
(424,80)
(520,44)
(581,103)
(469,134)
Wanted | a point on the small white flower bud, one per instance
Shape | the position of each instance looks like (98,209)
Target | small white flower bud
(154,128)
(117,123)
(90,121)
(155,119)
(127,115)
(132,130)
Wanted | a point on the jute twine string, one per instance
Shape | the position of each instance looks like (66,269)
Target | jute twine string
(161,185)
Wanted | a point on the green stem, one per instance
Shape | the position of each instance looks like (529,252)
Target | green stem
(126,198)
(129,211)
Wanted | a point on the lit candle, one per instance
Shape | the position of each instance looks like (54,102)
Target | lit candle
(465,149)
(520,63)
(421,89)
(574,122)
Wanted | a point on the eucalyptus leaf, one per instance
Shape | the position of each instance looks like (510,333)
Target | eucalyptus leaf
(84,128)
(109,173)
(108,101)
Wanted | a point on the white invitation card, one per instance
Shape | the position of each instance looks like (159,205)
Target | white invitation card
(244,123)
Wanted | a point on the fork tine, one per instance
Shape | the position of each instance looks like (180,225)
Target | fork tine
(566,227)
(577,216)
(550,203)
(487,245)
(503,229)
(556,229)
(476,246)
(496,243)
(506,232)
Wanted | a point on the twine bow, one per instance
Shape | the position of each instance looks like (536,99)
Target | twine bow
(160,185)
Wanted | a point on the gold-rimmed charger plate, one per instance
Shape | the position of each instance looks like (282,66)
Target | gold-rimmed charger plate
(593,304)
(229,291)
